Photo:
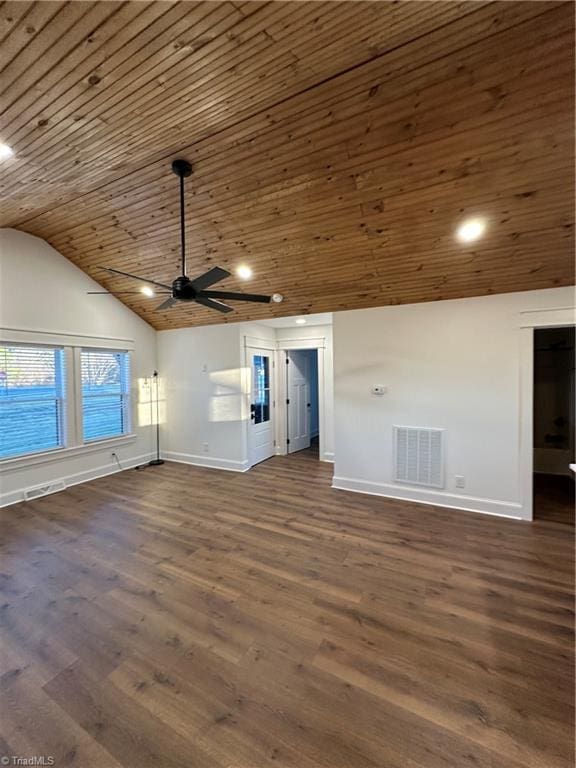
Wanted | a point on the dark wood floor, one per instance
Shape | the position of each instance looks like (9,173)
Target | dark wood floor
(554,498)
(187,617)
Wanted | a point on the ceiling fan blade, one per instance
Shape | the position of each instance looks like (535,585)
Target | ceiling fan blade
(213,275)
(168,303)
(126,293)
(136,277)
(205,301)
(237,296)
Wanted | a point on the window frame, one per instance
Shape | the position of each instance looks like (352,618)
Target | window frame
(61,378)
(71,408)
(125,394)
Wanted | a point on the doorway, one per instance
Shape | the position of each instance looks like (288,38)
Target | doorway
(261,427)
(553,420)
(302,401)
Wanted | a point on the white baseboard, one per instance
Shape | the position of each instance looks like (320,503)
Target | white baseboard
(14,497)
(437,498)
(206,461)
(328,456)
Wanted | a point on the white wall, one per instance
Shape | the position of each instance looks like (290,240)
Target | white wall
(202,371)
(455,365)
(206,384)
(40,290)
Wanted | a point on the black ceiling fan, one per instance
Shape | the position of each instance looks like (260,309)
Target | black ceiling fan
(183,288)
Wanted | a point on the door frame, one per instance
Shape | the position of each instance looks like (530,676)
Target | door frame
(529,320)
(319,344)
(268,347)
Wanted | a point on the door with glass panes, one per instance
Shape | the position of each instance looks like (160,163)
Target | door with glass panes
(261,429)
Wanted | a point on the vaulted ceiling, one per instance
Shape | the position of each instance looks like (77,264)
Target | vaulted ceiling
(336,146)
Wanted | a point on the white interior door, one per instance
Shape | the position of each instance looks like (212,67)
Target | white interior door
(298,399)
(261,429)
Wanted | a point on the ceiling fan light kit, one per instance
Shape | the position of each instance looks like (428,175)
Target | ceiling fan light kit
(183,289)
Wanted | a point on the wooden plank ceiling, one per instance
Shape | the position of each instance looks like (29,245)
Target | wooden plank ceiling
(336,146)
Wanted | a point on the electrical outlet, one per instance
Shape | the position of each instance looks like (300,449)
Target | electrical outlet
(205,447)
(460,482)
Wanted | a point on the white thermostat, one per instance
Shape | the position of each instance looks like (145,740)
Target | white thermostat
(378,389)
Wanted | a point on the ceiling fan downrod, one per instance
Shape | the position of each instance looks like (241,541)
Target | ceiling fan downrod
(182,169)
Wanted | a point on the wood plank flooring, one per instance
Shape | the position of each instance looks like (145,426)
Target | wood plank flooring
(554,498)
(188,617)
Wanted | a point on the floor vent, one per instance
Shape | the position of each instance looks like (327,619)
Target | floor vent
(419,456)
(44,490)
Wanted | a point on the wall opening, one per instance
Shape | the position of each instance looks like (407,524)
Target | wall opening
(302,402)
(553,420)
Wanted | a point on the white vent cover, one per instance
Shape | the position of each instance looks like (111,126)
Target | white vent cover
(44,490)
(419,456)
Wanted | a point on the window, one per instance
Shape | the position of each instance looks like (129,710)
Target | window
(261,404)
(105,394)
(60,396)
(31,399)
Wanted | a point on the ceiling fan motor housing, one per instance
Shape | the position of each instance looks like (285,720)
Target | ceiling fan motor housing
(183,289)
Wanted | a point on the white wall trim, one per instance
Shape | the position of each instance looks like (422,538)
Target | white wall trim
(526,421)
(62,338)
(58,454)
(542,318)
(328,456)
(259,343)
(436,498)
(14,497)
(303,343)
(558,317)
(211,462)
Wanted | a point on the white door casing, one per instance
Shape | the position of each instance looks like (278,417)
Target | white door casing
(298,396)
(527,322)
(325,383)
(261,424)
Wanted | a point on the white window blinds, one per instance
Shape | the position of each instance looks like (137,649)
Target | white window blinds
(105,394)
(32,392)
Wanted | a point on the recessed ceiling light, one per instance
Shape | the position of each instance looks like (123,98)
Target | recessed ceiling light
(471,230)
(147,291)
(244,272)
(5,151)
(300,321)
(277,298)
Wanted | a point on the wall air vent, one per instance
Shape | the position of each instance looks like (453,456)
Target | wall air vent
(419,456)
(43,490)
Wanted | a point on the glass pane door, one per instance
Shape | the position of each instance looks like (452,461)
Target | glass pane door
(261,389)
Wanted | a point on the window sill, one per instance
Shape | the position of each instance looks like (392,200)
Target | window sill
(23,462)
